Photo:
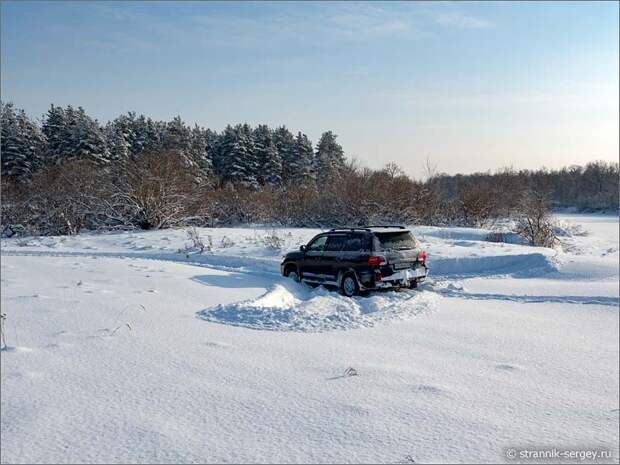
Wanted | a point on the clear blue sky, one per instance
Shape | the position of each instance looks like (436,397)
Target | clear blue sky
(473,86)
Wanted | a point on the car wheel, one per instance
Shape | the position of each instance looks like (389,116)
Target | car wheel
(349,285)
(413,284)
(292,273)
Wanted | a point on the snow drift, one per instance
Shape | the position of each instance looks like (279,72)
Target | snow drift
(291,306)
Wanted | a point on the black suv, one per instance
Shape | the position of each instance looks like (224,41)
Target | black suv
(359,259)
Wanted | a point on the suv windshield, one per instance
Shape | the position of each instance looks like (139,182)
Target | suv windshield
(396,240)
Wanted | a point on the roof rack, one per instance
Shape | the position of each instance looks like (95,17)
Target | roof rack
(350,229)
(398,226)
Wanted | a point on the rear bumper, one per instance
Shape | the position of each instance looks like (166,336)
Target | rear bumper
(400,278)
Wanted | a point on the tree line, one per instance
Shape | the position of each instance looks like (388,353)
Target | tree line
(69,172)
(242,155)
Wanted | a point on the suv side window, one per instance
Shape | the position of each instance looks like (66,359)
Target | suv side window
(335,243)
(317,245)
(356,243)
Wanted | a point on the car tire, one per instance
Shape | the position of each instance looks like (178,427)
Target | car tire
(292,273)
(349,286)
(413,284)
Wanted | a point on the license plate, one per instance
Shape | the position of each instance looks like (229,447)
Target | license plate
(416,272)
(402,266)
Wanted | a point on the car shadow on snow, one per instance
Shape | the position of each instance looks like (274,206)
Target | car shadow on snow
(233,280)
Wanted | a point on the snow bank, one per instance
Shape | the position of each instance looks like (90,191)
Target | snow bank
(290,306)
(519,265)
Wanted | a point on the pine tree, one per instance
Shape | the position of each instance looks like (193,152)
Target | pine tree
(153,135)
(238,157)
(285,144)
(268,158)
(88,138)
(56,130)
(303,172)
(177,138)
(139,128)
(22,142)
(117,142)
(121,136)
(329,160)
(14,161)
(34,140)
(198,152)
(221,147)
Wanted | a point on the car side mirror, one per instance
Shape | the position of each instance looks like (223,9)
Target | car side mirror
(302,248)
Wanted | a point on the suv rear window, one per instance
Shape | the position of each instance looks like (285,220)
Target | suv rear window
(356,243)
(396,240)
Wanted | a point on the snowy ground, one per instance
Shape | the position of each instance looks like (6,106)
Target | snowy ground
(124,348)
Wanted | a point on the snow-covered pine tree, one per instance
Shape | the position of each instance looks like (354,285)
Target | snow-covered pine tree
(121,130)
(56,130)
(303,172)
(118,144)
(198,152)
(70,138)
(212,139)
(139,128)
(177,138)
(240,165)
(17,157)
(88,138)
(221,147)
(268,158)
(153,136)
(329,160)
(35,142)
(285,144)
(143,134)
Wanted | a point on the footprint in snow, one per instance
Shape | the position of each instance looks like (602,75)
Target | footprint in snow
(62,333)
(506,367)
(428,389)
(216,344)
(51,346)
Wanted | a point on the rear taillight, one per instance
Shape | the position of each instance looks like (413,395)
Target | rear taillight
(423,256)
(376,260)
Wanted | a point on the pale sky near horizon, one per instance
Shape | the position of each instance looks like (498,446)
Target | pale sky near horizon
(473,86)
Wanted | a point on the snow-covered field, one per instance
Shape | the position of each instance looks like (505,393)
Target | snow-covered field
(126,348)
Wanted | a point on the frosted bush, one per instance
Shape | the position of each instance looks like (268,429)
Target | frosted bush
(273,241)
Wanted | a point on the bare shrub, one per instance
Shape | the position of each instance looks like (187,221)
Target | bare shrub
(226,242)
(534,222)
(59,199)
(155,190)
(477,206)
(196,241)
(273,241)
